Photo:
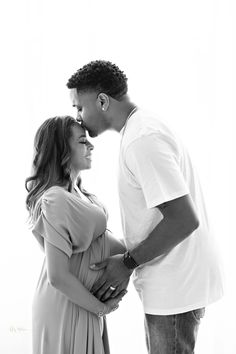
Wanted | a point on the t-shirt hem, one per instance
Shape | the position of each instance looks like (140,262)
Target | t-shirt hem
(157,202)
(174,311)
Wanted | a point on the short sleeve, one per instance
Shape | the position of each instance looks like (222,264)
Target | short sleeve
(62,223)
(154,166)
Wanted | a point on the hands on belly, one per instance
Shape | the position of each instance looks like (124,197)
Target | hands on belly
(114,280)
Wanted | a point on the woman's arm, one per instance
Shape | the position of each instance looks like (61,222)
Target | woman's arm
(117,246)
(60,277)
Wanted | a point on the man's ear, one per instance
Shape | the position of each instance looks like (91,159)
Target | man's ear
(103,102)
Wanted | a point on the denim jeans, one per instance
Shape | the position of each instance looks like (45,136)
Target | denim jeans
(172,334)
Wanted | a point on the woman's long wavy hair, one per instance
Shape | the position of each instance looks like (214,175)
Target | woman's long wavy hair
(51,163)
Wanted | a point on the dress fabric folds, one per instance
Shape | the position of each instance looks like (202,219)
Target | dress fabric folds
(78,228)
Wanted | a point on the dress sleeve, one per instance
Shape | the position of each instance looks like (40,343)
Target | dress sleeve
(153,166)
(62,223)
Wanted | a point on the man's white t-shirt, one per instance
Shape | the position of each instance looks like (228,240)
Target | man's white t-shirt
(154,167)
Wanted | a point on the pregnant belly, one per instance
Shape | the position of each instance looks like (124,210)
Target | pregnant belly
(98,251)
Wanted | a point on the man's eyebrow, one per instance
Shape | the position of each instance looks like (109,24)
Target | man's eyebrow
(81,136)
(76,105)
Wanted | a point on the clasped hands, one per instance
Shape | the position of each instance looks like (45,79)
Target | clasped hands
(114,280)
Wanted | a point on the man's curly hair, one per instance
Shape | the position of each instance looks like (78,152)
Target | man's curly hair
(101,76)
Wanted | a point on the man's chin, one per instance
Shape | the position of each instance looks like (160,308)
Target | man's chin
(92,134)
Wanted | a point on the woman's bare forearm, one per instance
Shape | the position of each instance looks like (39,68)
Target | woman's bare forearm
(72,288)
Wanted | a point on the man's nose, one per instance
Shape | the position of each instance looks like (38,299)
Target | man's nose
(78,117)
(80,121)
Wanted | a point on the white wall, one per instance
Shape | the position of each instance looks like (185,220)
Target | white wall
(178,56)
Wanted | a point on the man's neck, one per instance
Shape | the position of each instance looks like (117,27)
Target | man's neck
(123,113)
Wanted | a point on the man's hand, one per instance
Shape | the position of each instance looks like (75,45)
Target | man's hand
(121,289)
(115,275)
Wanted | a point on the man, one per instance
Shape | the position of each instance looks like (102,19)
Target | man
(171,252)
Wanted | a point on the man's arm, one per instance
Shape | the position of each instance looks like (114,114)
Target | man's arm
(179,221)
(152,161)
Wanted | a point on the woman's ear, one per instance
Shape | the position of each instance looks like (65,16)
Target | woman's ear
(103,102)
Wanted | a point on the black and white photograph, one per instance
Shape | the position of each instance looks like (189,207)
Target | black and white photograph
(118,177)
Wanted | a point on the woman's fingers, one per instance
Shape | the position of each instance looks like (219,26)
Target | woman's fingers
(115,308)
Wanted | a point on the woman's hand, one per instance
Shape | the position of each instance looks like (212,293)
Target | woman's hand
(112,304)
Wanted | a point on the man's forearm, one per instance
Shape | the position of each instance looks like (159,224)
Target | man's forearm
(165,236)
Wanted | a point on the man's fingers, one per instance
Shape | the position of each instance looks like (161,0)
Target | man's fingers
(101,292)
(107,295)
(122,293)
(121,289)
(98,266)
(116,292)
(98,285)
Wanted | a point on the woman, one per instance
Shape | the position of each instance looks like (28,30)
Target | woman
(70,225)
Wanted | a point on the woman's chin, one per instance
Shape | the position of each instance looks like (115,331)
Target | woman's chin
(88,165)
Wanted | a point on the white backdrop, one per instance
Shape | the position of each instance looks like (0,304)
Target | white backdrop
(179,57)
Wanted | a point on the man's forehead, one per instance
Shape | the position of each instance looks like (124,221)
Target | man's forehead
(74,97)
(78,98)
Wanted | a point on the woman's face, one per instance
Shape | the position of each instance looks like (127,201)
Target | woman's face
(81,149)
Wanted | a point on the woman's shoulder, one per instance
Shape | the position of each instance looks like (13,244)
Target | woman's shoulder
(60,196)
(55,193)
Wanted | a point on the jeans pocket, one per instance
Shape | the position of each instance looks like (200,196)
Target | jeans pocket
(198,313)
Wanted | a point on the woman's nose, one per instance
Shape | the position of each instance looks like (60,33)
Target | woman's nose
(90,146)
